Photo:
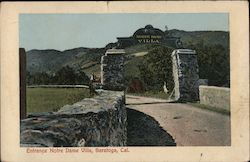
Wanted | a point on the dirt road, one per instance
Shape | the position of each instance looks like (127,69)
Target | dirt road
(188,125)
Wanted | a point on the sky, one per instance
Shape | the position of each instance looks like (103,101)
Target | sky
(67,31)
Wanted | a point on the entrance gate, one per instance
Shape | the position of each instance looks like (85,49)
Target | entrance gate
(185,73)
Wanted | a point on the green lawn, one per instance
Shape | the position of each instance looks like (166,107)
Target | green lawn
(51,99)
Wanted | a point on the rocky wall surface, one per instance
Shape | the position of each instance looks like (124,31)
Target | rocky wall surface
(112,70)
(218,97)
(185,74)
(98,121)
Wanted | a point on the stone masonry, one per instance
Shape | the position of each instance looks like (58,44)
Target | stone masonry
(185,74)
(218,97)
(112,70)
(98,121)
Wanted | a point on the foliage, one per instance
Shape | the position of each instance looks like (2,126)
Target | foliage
(66,75)
(38,78)
(156,68)
(214,64)
(51,99)
(131,69)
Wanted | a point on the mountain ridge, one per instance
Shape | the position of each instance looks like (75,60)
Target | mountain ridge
(88,59)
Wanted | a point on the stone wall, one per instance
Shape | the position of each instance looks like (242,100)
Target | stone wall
(112,70)
(215,96)
(98,121)
(185,74)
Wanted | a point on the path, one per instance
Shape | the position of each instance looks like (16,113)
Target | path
(188,125)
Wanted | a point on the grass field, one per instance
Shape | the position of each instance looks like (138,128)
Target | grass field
(51,99)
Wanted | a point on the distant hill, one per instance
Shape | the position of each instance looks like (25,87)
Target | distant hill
(50,61)
(205,37)
(88,59)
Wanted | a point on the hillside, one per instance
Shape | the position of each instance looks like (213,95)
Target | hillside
(205,37)
(88,59)
(50,61)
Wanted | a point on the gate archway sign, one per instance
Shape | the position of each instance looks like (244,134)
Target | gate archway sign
(149,35)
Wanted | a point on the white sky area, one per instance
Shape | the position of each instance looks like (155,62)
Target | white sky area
(67,31)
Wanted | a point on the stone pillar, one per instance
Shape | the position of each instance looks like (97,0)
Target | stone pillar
(112,70)
(22,73)
(186,75)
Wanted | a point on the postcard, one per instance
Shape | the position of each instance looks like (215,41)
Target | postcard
(125,81)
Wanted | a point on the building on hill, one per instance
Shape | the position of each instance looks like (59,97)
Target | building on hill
(149,35)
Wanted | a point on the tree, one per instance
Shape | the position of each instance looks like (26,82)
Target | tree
(213,60)
(156,68)
(82,78)
(37,78)
(66,75)
(214,64)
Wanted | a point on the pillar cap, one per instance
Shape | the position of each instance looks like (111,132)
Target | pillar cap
(184,52)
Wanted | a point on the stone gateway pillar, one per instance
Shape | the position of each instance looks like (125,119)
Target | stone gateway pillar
(112,70)
(186,75)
